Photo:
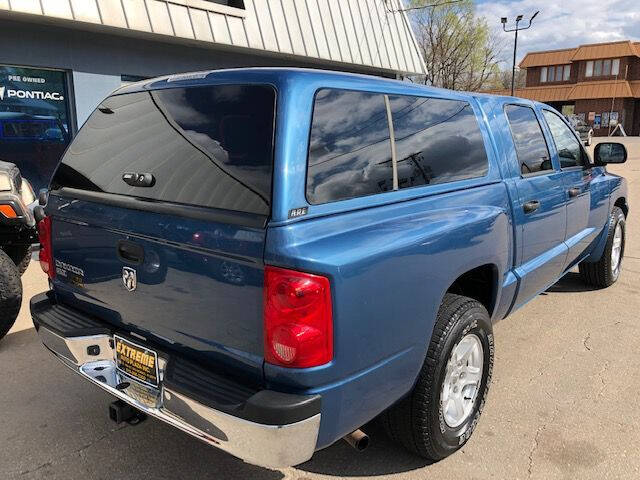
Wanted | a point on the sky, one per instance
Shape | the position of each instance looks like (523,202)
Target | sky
(562,23)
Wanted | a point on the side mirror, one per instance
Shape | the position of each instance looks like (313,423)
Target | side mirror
(609,152)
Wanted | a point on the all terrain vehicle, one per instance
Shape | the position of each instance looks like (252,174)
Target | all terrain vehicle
(17,234)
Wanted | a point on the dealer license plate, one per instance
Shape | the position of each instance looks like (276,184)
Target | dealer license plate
(136,361)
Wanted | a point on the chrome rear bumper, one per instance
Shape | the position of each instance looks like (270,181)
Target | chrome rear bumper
(255,443)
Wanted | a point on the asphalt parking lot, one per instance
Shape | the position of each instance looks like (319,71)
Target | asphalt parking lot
(563,403)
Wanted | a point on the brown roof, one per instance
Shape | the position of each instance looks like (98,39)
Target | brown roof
(605,50)
(592,51)
(603,89)
(541,94)
(580,91)
(549,57)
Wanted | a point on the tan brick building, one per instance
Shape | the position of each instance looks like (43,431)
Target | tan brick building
(596,82)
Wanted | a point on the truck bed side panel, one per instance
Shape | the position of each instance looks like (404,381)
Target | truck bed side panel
(389,267)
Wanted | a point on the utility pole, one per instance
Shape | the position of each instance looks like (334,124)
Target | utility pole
(503,20)
(613,99)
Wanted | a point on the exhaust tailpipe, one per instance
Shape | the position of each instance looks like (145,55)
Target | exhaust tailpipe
(357,439)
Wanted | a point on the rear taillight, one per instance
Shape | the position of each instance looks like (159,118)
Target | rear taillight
(298,323)
(46,254)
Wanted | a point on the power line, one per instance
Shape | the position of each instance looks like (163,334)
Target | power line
(421,7)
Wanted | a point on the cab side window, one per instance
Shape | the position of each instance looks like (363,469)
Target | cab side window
(568,146)
(531,147)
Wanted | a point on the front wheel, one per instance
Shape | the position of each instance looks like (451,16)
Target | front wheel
(10,293)
(439,415)
(606,271)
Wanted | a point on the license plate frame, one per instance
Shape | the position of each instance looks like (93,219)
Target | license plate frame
(133,360)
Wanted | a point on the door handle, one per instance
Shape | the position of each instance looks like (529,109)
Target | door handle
(574,192)
(130,252)
(531,206)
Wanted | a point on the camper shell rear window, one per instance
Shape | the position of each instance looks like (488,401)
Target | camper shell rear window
(209,146)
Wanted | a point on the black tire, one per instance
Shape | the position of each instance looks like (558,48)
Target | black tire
(602,274)
(21,256)
(10,293)
(417,422)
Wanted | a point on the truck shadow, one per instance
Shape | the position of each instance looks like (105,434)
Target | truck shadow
(383,457)
(61,408)
(570,283)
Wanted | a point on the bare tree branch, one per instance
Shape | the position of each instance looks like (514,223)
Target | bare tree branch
(458,48)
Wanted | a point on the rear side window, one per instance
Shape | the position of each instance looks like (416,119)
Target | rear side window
(531,147)
(437,141)
(350,150)
(209,146)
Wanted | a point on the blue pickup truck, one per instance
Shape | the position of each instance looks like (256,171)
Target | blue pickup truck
(268,259)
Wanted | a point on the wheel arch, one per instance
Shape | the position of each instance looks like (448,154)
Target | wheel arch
(479,283)
(622,203)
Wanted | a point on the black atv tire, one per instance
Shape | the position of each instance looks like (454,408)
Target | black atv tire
(10,293)
(21,256)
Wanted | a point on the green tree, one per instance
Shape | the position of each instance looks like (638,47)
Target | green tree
(459,49)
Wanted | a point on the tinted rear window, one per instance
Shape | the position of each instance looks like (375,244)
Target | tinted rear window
(437,141)
(350,150)
(208,146)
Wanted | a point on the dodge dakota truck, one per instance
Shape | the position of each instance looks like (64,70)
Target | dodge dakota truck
(269,259)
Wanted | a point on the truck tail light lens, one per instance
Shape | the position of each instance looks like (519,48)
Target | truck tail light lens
(46,253)
(298,321)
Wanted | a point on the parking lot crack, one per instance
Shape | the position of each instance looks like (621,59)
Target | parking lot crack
(601,373)
(77,451)
(39,467)
(97,440)
(536,441)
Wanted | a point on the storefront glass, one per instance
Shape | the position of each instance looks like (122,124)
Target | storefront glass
(34,121)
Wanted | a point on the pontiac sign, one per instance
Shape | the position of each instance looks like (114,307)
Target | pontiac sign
(30,94)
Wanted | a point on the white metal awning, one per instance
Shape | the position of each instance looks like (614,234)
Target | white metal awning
(370,33)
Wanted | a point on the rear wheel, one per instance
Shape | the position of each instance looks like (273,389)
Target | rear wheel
(20,255)
(441,412)
(10,293)
(606,271)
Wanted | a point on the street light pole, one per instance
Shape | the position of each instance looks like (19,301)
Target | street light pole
(503,20)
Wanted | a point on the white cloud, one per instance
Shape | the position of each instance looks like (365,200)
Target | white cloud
(563,23)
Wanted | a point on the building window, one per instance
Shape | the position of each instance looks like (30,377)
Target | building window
(35,126)
(597,68)
(615,66)
(558,73)
(603,68)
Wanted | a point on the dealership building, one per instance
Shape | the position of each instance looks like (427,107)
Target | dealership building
(60,58)
(596,83)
